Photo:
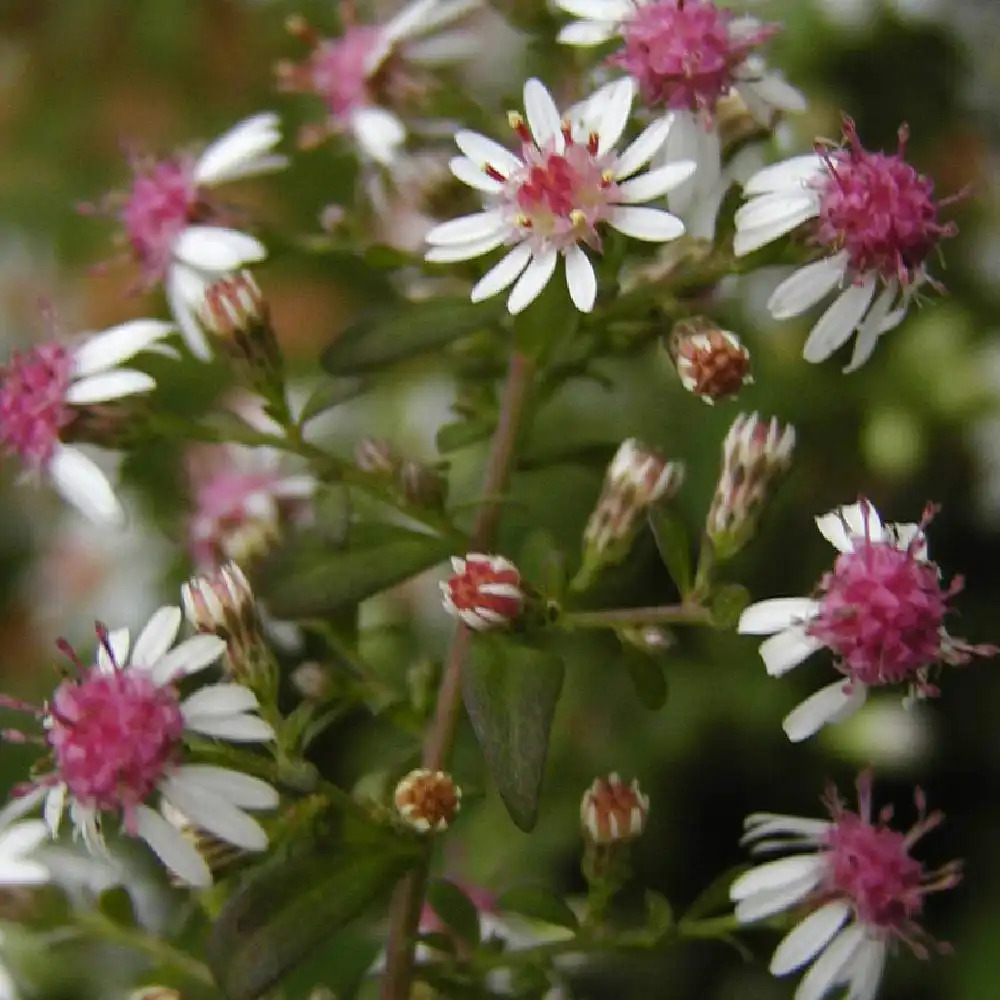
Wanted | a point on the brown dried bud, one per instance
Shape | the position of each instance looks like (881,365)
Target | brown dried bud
(420,484)
(376,455)
(236,314)
(712,363)
(427,800)
(612,812)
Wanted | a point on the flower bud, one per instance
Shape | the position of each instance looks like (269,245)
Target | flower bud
(484,592)
(217,853)
(420,484)
(754,455)
(612,812)
(428,800)
(236,314)
(377,456)
(711,363)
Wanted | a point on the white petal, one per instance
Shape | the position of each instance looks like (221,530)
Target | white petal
(760,825)
(216,248)
(650,224)
(219,699)
(157,636)
(467,228)
(863,520)
(867,967)
(464,251)
(20,839)
(580,279)
(172,848)
(543,115)
(52,809)
(809,937)
(777,875)
(586,33)
(472,174)
(806,286)
(643,148)
(238,728)
(185,289)
(832,703)
(82,483)
(873,326)
(775,614)
(787,175)
(616,113)
(486,152)
(535,277)
(597,10)
(786,650)
(831,527)
(767,210)
(20,871)
(776,93)
(119,343)
(502,274)
(240,789)
(826,970)
(117,643)
(656,183)
(214,814)
(189,657)
(695,138)
(772,901)
(379,133)
(240,151)
(106,386)
(839,321)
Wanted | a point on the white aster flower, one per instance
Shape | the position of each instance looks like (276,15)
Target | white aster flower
(566,181)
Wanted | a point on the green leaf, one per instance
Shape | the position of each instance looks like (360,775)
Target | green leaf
(461,434)
(511,690)
(728,603)
(116,905)
(659,914)
(674,546)
(455,910)
(647,677)
(328,394)
(543,564)
(546,322)
(384,337)
(714,898)
(307,577)
(284,910)
(538,904)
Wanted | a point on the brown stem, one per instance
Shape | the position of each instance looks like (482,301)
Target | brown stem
(404,911)
(667,614)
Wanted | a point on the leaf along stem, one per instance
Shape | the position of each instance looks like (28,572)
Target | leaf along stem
(404,912)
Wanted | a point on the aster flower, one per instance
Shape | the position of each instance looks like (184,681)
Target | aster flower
(686,57)
(880,611)
(47,395)
(176,233)
(116,735)
(860,886)
(566,182)
(362,74)
(875,221)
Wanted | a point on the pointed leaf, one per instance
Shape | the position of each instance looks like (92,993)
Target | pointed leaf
(728,603)
(543,564)
(647,677)
(454,909)
(461,434)
(328,394)
(308,577)
(659,914)
(538,904)
(511,690)
(384,337)
(674,546)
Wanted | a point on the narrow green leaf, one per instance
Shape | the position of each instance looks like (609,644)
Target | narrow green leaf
(384,337)
(116,904)
(328,394)
(455,910)
(647,677)
(659,913)
(461,434)
(538,904)
(511,690)
(307,577)
(728,603)
(674,546)
(543,564)
(714,898)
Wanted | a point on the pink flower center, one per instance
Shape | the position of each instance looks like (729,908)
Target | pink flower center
(685,53)
(33,406)
(163,201)
(881,613)
(879,209)
(114,735)
(341,70)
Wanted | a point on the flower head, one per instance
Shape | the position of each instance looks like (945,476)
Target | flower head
(175,231)
(484,592)
(876,223)
(116,735)
(366,71)
(427,800)
(859,882)
(48,395)
(712,363)
(565,184)
(880,611)
(613,812)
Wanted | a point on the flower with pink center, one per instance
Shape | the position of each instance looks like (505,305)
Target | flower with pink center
(47,393)
(876,222)
(566,183)
(364,73)
(174,230)
(116,734)
(857,879)
(484,591)
(686,56)
(880,611)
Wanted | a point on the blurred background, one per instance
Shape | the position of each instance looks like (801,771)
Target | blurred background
(920,422)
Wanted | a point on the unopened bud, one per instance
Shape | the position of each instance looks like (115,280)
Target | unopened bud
(612,812)
(216,852)
(377,456)
(650,639)
(235,313)
(484,592)
(735,123)
(711,363)
(420,484)
(754,454)
(428,800)
(312,681)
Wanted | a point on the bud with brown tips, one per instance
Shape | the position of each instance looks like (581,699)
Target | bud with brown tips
(428,800)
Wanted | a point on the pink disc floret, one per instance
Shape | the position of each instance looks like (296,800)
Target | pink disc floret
(879,209)
(685,53)
(33,407)
(340,70)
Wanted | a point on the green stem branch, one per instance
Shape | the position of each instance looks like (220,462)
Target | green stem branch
(667,614)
